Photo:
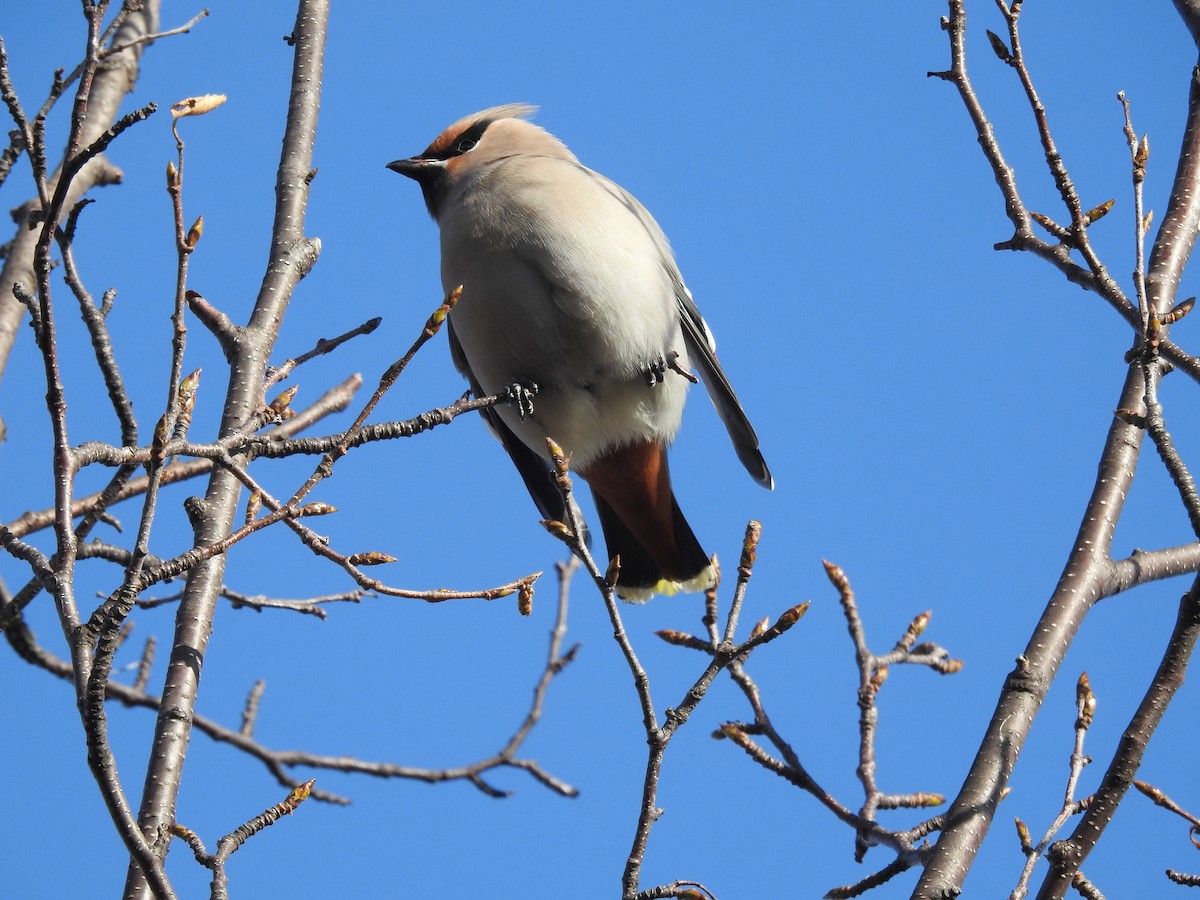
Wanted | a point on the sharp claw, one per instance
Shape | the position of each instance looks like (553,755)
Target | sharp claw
(655,372)
(521,395)
(674,366)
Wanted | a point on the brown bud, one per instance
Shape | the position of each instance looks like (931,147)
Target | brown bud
(280,404)
(317,508)
(612,575)
(735,734)
(371,558)
(558,529)
(999,47)
(253,504)
(878,678)
(299,794)
(1142,155)
(525,599)
(197,106)
(1024,836)
(835,575)
(916,628)
(190,383)
(1150,791)
(1178,311)
(161,432)
(678,638)
(790,617)
(557,456)
(187,401)
(194,233)
(750,545)
(1096,213)
(1085,700)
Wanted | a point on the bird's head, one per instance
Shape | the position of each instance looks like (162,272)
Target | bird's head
(474,142)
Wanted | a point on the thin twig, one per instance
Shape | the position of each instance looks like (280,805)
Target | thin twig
(1085,710)
(1068,855)
(276,762)
(277,374)
(149,38)
(231,842)
(332,401)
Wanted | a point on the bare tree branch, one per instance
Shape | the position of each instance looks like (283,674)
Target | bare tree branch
(113,80)
(1067,856)
(1090,574)
(1085,707)
(291,257)
(1190,10)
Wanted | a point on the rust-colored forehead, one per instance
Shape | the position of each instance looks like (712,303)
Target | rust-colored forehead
(447,138)
(476,121)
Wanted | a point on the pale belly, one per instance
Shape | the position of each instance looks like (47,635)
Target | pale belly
(592,394)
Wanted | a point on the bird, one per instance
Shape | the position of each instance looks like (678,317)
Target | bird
(573,307)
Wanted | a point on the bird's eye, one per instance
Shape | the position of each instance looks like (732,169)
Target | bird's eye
(465,145)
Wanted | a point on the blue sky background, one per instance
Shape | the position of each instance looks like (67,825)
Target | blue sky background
(932,410)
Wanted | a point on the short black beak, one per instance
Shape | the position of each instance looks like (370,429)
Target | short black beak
(430,174)
(416,168)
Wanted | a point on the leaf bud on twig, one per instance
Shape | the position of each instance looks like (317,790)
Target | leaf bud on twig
(370,558)
(1024,836)
(1142,155)
(999,47)
(194,233)
(317,508)
(1085,700)
(280,406)
(1178,311)
(613,573)
(196,106)
(253,504)
(557,528)
(1096,213)
(525,599)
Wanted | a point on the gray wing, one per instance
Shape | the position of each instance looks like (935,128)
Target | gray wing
(700,349)
(700,346)
(535,471)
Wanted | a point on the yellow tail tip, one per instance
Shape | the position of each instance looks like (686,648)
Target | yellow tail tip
(668,588)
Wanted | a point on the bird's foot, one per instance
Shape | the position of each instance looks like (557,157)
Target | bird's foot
(521,394)
(674,366)
(655,372)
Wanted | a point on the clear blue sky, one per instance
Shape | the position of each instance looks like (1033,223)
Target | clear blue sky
(932,410)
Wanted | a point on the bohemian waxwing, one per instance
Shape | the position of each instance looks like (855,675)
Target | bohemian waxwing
(572,302)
